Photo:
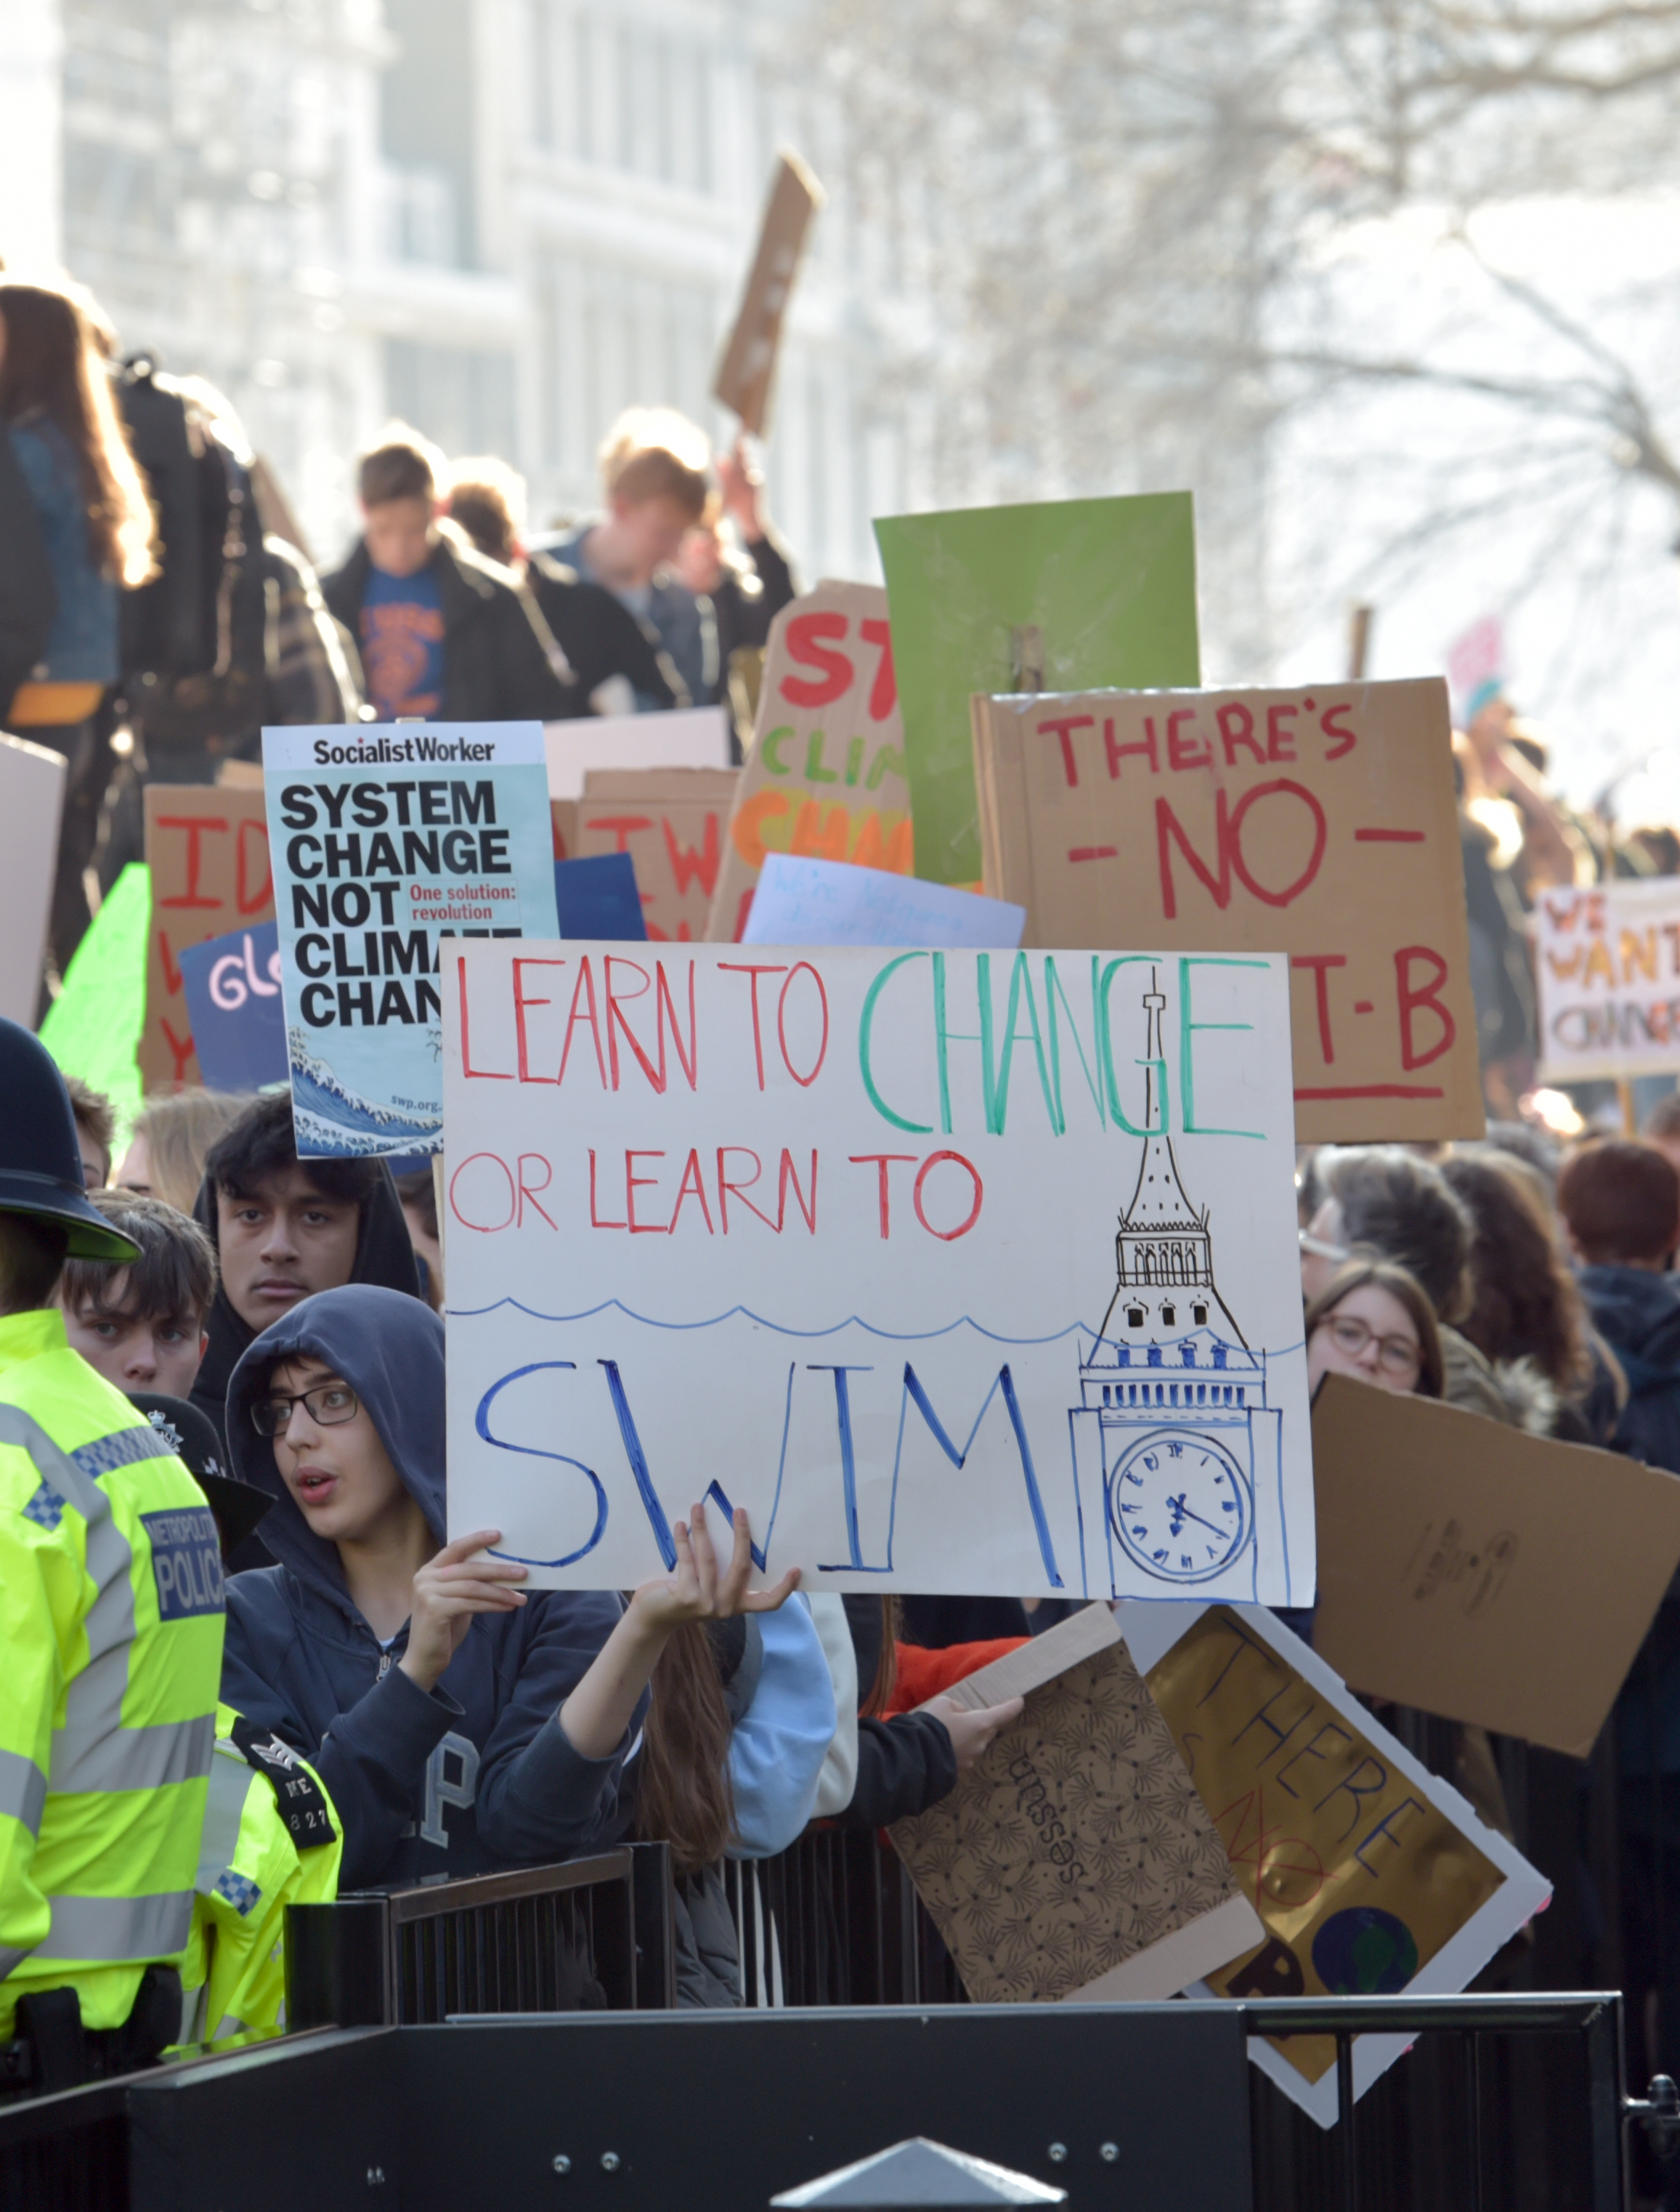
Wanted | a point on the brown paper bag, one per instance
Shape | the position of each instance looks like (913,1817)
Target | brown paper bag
(1075,1858)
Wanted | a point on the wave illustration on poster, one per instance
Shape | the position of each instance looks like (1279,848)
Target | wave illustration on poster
(325,1111)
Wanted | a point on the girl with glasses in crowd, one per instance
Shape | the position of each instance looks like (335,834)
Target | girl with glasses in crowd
(1373,1321)
(460,1721)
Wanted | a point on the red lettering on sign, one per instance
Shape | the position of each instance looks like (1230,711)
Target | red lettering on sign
(197,827)
(1064,731)
(805,634)
(686,864)
(1318,963)
(883,692)
(1412,999)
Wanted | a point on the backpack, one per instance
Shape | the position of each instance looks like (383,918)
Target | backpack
(195,646)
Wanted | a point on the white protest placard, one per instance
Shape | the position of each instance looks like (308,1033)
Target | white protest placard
(31,798)
(1370,1875)
(688,736)
(384,841)
(960,1270)
(801,902)
(1608,964)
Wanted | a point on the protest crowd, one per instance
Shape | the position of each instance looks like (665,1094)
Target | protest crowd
(223,1356)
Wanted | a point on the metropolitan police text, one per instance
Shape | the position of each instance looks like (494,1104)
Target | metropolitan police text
(354,849)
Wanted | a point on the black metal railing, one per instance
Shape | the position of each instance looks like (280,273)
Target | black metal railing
(538,1939)
(835,1920)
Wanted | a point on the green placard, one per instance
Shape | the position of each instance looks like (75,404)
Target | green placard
(92,1027)
(1110,586)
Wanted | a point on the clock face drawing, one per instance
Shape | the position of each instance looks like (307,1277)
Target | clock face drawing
(1178,1505)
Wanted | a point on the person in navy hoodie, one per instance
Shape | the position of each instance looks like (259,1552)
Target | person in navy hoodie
(460,1723)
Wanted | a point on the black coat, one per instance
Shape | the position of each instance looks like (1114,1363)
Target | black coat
(494,668)
(1637,1313)
(28,600)
(600,636)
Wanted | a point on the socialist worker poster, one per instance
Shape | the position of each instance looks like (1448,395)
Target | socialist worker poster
(387,840)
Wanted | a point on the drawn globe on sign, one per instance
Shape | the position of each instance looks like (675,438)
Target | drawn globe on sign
(1364,1952)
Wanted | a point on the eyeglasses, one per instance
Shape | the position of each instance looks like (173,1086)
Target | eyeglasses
(326,1404)
(1396,1355)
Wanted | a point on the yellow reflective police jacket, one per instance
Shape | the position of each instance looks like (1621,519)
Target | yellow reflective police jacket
(271,1838)
(111,1622)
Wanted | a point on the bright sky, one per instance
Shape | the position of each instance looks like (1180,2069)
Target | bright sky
(1571,551)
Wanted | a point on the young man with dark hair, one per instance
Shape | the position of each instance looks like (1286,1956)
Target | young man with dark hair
(108,1575)
(285,1228)
(95,1127)
(142,1327)
(443,633)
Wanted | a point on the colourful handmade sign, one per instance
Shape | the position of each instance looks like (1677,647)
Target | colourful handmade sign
(387,841)
(961,1271)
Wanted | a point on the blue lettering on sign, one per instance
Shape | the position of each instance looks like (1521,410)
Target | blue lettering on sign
(186,1562)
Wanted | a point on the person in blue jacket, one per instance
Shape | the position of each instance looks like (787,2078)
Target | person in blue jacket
(458,1722)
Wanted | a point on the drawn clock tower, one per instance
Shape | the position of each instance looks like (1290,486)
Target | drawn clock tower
(1173,1435)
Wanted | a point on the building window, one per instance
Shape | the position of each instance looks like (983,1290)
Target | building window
(1169,1315)
(1134,1316)
(1201,1315)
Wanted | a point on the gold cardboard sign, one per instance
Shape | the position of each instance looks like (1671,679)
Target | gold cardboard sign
(1358,1877)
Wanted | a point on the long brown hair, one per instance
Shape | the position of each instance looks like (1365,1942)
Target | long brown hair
(51,364)
(1399,1283)
(684,1796)
(1526,1303)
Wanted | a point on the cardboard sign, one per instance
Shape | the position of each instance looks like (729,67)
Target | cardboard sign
(689,737)
(1089,591)
(825,777)
(32,798)
(387,842)
(960,1270)
(233,1003)
(1074,1859)
(1321,822)
(672,823)
(1371,1875)
(746,373)
(1478,1572)
(598,897)
(1608,965)
(207,846)
(92,1028)
(833,902)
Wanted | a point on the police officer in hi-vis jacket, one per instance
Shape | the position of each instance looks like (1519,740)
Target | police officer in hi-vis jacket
(111,1621)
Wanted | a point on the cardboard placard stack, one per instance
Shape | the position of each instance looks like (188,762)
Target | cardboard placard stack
(1075,1858)
(32,798)
(208,850)
(671,822)
(1321,822)
(826,779)
(747,371)
(1473,1571)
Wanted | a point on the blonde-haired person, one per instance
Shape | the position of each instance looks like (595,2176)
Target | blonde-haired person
(598,636)
(91,522)
(656,484)
(170,1140)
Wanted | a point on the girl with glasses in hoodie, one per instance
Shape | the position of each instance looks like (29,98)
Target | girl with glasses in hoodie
(460,1722)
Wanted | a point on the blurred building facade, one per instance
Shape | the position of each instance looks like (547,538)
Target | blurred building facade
(503,220)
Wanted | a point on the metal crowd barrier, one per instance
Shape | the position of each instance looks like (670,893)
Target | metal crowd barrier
(541,1940)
